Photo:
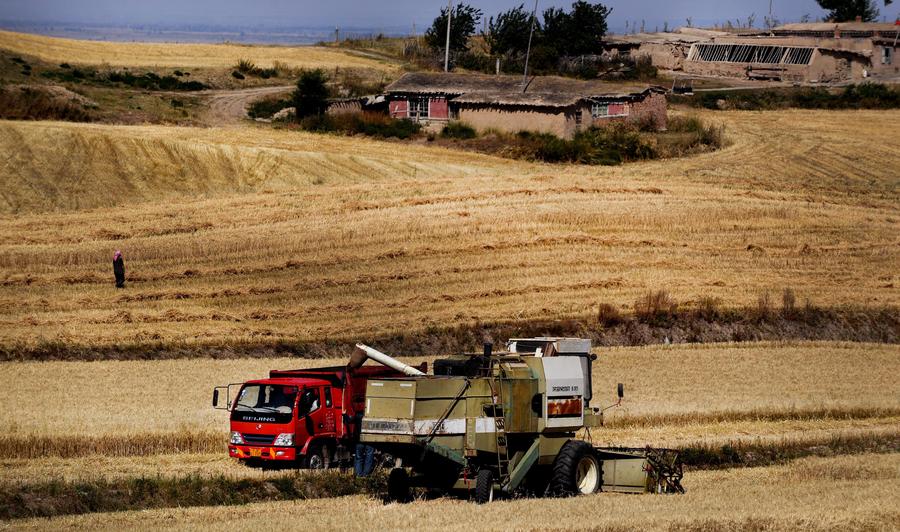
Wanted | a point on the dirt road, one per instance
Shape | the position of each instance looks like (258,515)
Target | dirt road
(229,107)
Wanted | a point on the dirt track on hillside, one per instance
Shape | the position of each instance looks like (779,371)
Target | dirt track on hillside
(229,107)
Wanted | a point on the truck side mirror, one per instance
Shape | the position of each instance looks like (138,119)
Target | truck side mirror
(215,398)
(620,390)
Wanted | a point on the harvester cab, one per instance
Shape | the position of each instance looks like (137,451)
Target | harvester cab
(504,423)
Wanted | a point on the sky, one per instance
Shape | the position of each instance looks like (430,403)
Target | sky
(387,14)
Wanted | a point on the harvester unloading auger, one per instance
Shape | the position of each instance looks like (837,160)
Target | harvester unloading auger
(504,423)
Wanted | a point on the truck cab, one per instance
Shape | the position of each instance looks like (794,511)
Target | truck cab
(283,418)
(308,418)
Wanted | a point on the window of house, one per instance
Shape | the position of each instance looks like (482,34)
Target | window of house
(599,110)
(886,55)
(578,120)
(418,108)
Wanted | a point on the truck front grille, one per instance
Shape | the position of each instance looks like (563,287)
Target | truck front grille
(259,439)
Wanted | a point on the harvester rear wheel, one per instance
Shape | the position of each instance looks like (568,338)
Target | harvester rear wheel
(484,486)
(576,470)
(398,485)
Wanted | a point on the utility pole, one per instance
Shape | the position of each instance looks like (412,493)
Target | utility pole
(447,48)
(528,51)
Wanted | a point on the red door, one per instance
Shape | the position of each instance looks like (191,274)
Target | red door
(310,415)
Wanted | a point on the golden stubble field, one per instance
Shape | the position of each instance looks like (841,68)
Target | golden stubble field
(669,383)
(835,493)
(132,54)
(260,236)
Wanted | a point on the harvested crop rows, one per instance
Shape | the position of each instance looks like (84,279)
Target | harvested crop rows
(258,237)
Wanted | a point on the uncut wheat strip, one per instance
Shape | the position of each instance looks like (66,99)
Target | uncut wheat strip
(793,432)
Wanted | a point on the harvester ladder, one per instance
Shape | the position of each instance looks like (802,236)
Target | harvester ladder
(500,429)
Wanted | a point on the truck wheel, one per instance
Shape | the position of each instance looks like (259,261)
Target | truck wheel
(398,485)
(316,457)
(484,486)
(576,470)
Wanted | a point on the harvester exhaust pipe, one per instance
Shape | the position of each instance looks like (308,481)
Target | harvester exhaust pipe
(358,358)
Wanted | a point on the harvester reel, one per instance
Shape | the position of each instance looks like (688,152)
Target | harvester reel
(665,469)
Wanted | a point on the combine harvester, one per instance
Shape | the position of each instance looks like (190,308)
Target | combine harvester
(504,424)
(485,424)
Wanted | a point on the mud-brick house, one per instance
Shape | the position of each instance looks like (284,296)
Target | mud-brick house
(546,104)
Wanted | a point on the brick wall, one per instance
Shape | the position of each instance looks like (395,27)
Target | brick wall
(653,106)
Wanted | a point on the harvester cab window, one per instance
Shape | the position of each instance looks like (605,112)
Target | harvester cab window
(309,402)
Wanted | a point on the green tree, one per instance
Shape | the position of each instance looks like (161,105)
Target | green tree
(462,27)
(588,23)
(311,95)
(848,10)
(508,33)
(556,31)
(577,32)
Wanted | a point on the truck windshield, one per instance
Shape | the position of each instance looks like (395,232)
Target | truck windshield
(266,398)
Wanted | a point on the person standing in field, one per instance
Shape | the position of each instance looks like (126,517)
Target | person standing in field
(119,269)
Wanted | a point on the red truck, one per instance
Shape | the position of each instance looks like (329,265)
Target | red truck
(308,418)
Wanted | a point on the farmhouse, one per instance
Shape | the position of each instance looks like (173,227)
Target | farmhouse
(800,53)
(546,104)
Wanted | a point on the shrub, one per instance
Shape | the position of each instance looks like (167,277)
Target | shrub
(237,75)
(863,96)
(361,123)
(267,107)
(708,308)
(458,130)
(247,67)
(689,134)
(609,316)
(788,302)
(763,310)
(311,95)
(655,307)
(35,104)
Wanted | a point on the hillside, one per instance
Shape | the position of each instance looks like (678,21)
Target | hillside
(132,54)
(249,237)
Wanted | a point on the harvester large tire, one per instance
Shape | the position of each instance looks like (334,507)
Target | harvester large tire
(576,470)
(398,485)
(484,486)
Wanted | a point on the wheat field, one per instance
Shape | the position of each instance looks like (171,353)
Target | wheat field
(171,55)
(255,236)
(699,380)
(835,493)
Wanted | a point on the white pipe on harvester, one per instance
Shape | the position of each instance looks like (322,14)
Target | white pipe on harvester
(381,358)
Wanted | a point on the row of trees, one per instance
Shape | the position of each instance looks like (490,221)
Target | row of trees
(557,32)
(579,31)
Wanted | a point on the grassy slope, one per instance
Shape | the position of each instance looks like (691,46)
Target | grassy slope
(127,54)
(262,237)
(857,492)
